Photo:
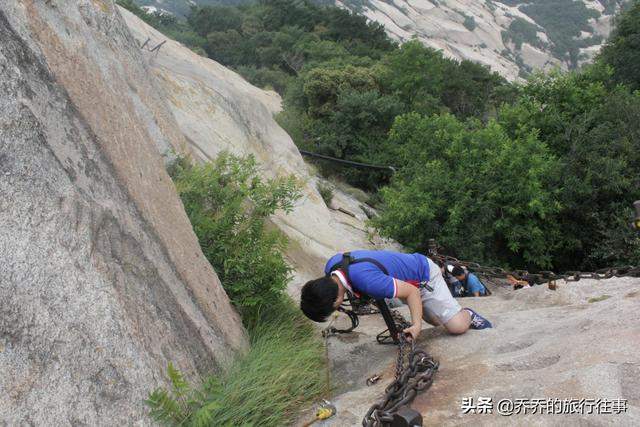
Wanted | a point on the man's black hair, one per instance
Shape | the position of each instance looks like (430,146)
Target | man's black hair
(318,297)
(457,271)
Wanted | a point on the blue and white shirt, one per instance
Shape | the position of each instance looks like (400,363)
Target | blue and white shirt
(367,278)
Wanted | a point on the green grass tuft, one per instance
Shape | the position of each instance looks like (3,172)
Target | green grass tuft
(598,299)
(283,372)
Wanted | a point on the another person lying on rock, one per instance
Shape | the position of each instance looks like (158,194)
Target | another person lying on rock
(473,287)
(455,286)
(413,278)
(517,283)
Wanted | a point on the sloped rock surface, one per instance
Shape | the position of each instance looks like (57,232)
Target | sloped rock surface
(441,25)
(218,110)
(579,342)
(102,281)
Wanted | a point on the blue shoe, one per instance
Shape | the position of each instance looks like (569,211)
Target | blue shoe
(477,321)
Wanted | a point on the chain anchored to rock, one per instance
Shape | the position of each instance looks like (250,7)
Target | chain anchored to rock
(410,380)
(535,278)
(352,309)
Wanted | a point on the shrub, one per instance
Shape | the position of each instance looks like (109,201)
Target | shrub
(228,205)
(563,20)
(595,132)
(469,23)
(522,31)
(326,192)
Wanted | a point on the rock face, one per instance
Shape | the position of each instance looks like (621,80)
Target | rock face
(217,110)
(579,342)
(102,281)
(472,29)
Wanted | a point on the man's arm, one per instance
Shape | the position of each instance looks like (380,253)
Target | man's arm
(412,295)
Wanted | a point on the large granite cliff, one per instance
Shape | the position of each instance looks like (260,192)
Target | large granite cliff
(102,281)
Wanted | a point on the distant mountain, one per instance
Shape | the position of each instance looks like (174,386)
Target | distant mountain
(513,37)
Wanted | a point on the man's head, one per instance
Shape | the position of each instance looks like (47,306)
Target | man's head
(456,271)
(319,298)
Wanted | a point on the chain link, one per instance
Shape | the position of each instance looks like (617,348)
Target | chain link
(409,380)
(366,309)
(541,276)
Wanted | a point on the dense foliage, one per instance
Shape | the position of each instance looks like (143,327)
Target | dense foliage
(593,127)
(548,184)
(343,79)
(228,205)
(622,51)
(540,175)
(566,23)
(522,31)
(475,187)
(347,111)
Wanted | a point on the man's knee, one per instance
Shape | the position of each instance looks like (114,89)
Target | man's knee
(459,324)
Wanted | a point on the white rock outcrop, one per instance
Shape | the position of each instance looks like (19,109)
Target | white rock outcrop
(102,280)
(216,109)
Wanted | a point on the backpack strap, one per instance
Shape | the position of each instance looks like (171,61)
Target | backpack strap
(344,264)
(347,260)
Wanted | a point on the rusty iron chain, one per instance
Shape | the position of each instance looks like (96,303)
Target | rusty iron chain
(401,322)
(409,380)
(366,309)
(541,276)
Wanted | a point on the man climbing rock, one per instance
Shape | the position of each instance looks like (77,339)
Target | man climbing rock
(413,278)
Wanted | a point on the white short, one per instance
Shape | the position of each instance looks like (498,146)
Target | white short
(437,301)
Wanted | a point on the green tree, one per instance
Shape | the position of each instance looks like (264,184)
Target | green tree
(228,48)
(416,74)
(428,82)
(594,131)
(356,129)
(210,19)
(622,50)
(322,86)
(481,193)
